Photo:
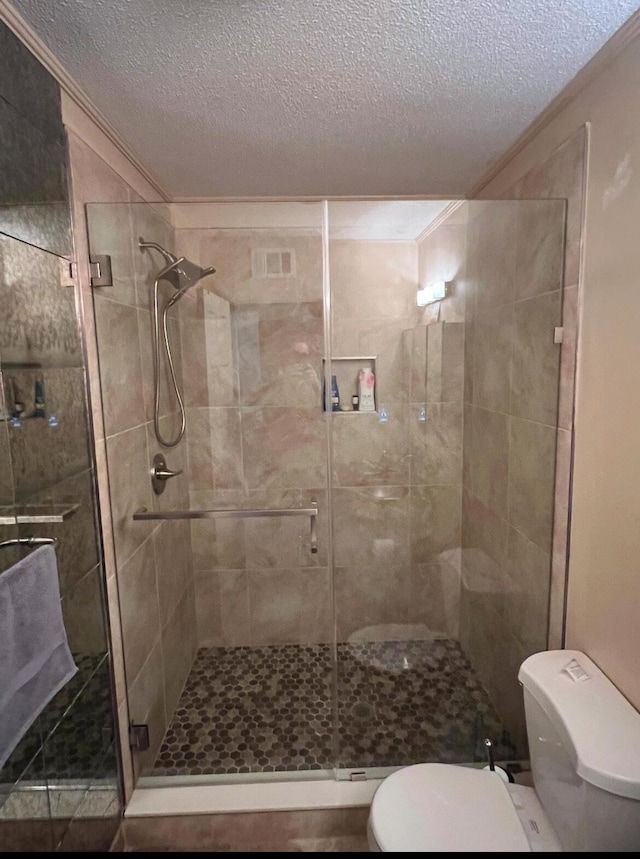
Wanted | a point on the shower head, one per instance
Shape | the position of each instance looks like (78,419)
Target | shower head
(181,273)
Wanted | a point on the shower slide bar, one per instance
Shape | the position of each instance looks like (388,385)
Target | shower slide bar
(240,513)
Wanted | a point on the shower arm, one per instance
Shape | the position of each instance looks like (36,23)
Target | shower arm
(170,258)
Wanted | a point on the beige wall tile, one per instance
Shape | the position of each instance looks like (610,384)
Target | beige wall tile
(280,349)
(373,280)
(490,458)
(147,706)
(539,247)
(434,521)
(283,447)
(493,345)
(178,650)
(368,596)
(436,445)
(434,597)
(529,569)
(371,525)
(568,356)
(222,608)
(532,449)
(536,358)
(130,485)
(368,452)
(218,543)
(139,608)
(275,605)
(173,565)
(214,448)
(120,365)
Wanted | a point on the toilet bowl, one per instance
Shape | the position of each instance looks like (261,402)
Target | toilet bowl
(584,745)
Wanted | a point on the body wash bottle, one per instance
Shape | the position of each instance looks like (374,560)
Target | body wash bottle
(366,384)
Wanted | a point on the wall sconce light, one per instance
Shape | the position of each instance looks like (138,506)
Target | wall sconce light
(434,292)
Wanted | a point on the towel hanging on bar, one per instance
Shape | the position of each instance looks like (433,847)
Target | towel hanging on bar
(36,660)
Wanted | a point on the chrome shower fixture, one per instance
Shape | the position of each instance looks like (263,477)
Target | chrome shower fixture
(182,274)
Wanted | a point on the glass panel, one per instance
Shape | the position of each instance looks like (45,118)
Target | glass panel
(47,493)
(227,622)
(442,492)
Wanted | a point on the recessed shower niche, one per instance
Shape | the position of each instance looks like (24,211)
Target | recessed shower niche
(253,653)
(346,371)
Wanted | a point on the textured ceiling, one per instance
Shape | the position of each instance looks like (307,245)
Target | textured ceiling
(322,97)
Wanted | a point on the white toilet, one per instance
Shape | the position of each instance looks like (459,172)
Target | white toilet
(584,742)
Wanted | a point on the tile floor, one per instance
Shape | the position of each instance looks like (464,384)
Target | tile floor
(269,709)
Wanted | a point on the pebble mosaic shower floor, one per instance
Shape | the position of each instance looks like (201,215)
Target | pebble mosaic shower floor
(269,709)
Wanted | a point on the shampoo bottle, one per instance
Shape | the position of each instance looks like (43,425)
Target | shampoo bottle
(366,383)
(335,395)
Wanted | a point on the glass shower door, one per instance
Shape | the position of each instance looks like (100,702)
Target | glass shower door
(224,582)
(442,495)
(64,768)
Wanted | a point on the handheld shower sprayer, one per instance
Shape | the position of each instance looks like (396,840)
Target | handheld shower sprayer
(182,274)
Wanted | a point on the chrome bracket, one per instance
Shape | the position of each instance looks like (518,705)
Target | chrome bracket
(139,737)
(100,270)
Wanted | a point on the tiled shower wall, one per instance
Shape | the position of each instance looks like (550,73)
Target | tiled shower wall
(514,271)
(252,357)
(396,483)
(149,563)
(253,385)
(535,547)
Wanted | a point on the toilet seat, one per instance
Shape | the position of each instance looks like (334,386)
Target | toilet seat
(448,808)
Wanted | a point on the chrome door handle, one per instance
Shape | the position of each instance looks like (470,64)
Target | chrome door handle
(160,473)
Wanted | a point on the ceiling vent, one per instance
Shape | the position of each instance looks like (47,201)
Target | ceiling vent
(273,262)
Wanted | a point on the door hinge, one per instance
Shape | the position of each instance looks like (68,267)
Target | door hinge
(100,270)
(139,737)
(67,273)
(558,335)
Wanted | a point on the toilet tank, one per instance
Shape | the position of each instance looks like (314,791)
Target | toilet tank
(584,745)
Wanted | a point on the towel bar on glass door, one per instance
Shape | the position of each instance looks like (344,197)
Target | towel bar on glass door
(236,513)
(29,542)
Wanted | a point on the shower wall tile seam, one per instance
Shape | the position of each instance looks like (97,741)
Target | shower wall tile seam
(515,417)
(486,309)
(128,429)
(505,519)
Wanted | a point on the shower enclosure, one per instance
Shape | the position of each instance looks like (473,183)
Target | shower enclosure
(332,592)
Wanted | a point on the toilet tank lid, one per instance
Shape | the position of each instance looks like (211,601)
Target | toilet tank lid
(598,726)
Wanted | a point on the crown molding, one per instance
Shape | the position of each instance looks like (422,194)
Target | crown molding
(16,23)
(623,37)
(444,216)
(317,199)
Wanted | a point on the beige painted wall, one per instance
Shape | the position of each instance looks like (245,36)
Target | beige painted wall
(604,584)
